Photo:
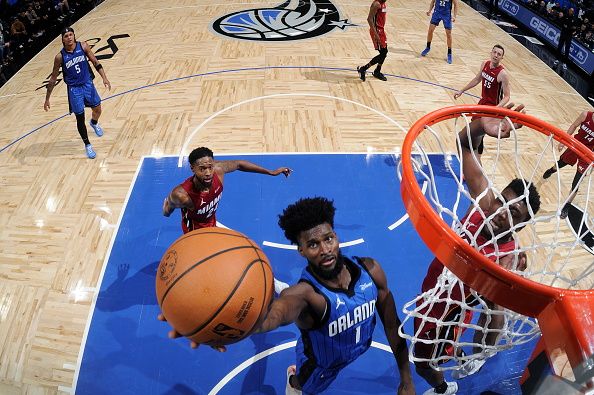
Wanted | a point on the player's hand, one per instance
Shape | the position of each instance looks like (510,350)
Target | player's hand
(173,334)
(454,19)
(166,211)
(46,105)
(507,262)
(282,170)
(428,12)
(107,84)
(406,388)
(560,147)
(458,94)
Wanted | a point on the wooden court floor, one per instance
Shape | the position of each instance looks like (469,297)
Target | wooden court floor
(169,73)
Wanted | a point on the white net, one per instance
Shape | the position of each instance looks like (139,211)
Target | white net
(453,324)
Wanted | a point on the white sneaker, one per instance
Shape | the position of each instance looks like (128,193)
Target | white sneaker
(471,367)
(291,371)
(279,286)
(452,389)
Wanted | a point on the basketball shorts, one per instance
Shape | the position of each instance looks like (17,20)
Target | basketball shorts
(383,41)
(440,337)
(81,96)
(571,158)
(316,380)
(438,17)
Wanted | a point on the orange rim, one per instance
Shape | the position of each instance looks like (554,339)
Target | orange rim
(517,293)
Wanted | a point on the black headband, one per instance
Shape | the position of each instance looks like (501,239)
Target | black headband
(66,30)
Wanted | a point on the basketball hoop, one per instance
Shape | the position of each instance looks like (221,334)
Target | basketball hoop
(565,314)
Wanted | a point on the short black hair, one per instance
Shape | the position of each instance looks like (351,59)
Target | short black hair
(533,197)
(500,47)
(198,153)
(305,214)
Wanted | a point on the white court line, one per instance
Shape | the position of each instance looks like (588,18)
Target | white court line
(100,281)
(405,216)
(216,114)
(250,361)
(294,247)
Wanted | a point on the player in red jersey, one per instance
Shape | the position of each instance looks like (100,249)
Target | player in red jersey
(585,135)
(198,196)
(377,23)
(518,200)
(494,79)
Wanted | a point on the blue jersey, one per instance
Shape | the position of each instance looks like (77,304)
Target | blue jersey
(443,7)
(75,66)
(345,331)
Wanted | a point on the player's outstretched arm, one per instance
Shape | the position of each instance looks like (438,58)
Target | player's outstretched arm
(471,142)
(473,82)
(52,80)
(290,306)
(571,129)
(386,309)
(178,198)
(229,166)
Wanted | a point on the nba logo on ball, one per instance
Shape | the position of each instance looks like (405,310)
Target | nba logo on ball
(214,285)
(167,266)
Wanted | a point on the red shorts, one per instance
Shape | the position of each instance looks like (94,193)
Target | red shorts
(429,330)
(571,158)
(383,42)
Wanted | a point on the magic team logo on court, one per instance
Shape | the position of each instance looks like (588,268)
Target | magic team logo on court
(292,20)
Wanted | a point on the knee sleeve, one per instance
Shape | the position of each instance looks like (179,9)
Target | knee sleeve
(383,52)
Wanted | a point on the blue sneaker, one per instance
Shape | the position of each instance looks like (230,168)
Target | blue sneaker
(90,153)
(425,51)
(450,58)
(98,129)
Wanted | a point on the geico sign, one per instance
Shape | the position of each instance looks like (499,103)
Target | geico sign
(545,29)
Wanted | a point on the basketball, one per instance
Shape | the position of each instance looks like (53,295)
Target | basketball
(213,284)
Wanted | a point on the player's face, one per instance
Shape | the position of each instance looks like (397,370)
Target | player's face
(518,212)
(203,169)
(319,246)
(68,39)
(496,55)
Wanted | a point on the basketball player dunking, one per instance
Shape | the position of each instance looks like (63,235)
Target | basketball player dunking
(199,195)
(518,199)
(377,22)
(494,78)
(333,304)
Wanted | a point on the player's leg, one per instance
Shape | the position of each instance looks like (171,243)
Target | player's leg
(377,73)
(549,172)
(76,102)
(425,352)
(574,184)
(432,26)
(447,24)
(93,100)
(309,379)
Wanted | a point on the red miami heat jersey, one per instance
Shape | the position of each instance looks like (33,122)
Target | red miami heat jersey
(205,205)
(380,16)
(584,135)
(492,92)
(436,267)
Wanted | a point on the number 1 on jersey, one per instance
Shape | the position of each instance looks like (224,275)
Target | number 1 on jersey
(357,334)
